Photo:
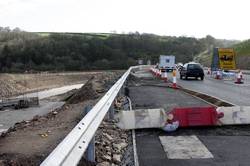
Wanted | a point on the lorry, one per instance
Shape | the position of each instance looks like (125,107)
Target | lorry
(167,62)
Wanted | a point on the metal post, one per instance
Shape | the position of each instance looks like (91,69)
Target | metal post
(90,153)
(111,112)
(120,92)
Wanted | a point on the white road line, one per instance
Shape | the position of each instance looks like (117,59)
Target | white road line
(184,147)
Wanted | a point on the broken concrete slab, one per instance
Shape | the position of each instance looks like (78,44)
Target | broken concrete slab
(235,115)
(142,118)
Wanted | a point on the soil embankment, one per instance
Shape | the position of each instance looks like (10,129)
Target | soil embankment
(29,142)
(16,84)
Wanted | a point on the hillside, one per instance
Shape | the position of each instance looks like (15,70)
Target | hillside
(43,51)
(243,54)
(205,57)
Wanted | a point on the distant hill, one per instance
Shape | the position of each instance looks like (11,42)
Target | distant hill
(48,51)
(242,50)
(205,57)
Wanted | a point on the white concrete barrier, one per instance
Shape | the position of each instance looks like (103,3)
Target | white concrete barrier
(235,115)
(142,118)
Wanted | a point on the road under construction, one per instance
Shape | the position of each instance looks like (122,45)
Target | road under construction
(225,144)
(213,124)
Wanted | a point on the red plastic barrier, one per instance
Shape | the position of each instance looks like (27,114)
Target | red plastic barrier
(196,116)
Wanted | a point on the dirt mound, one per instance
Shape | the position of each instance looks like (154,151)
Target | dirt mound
(9,86)
(87,92)
(30,142)
(95,85)
(17,84)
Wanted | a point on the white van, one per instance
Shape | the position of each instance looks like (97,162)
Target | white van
(167,62)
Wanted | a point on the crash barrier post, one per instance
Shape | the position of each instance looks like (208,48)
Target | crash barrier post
(174,79)
(111,112)
(90,152)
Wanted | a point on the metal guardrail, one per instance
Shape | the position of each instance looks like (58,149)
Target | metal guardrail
(72,148)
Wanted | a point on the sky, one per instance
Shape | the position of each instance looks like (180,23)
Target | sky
(223,19)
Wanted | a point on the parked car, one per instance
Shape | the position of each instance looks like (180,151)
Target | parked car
(192,70)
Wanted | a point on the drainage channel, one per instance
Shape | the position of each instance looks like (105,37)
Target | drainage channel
(210,99)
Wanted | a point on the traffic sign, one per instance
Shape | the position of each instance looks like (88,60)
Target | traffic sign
(226,58)
(223,58)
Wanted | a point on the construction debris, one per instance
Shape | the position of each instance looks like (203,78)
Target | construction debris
(108,134)
(86,92)
(30,141)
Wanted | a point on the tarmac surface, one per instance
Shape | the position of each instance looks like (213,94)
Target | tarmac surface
(237,94)
(229,145)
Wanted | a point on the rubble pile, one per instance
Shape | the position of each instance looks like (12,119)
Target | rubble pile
(94,86)
(111,144)
(9,87)
(86,92)
(32,140)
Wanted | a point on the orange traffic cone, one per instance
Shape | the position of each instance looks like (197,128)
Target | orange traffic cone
(239,79)
(164,75)
(217,75)
(208,71)
(174,79)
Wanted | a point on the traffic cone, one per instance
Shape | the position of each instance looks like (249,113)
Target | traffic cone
(241,75)
(159,73)
(164,75)
(208,71)
(217,75)
(174,79)
(154,72)
(239,79)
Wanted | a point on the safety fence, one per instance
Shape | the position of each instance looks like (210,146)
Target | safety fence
(72,148)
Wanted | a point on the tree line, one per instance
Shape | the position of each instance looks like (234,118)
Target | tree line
(24,51)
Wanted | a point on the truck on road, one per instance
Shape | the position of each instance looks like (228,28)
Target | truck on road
(167,62)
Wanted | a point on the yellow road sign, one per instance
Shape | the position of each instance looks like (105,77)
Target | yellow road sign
(227,58)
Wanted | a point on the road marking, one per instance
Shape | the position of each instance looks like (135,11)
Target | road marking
(184,147)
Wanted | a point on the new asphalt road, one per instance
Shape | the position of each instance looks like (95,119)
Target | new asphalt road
(237,94)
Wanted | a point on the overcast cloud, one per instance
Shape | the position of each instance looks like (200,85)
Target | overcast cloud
(220,18)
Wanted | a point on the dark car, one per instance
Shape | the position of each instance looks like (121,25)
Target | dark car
(192,70)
